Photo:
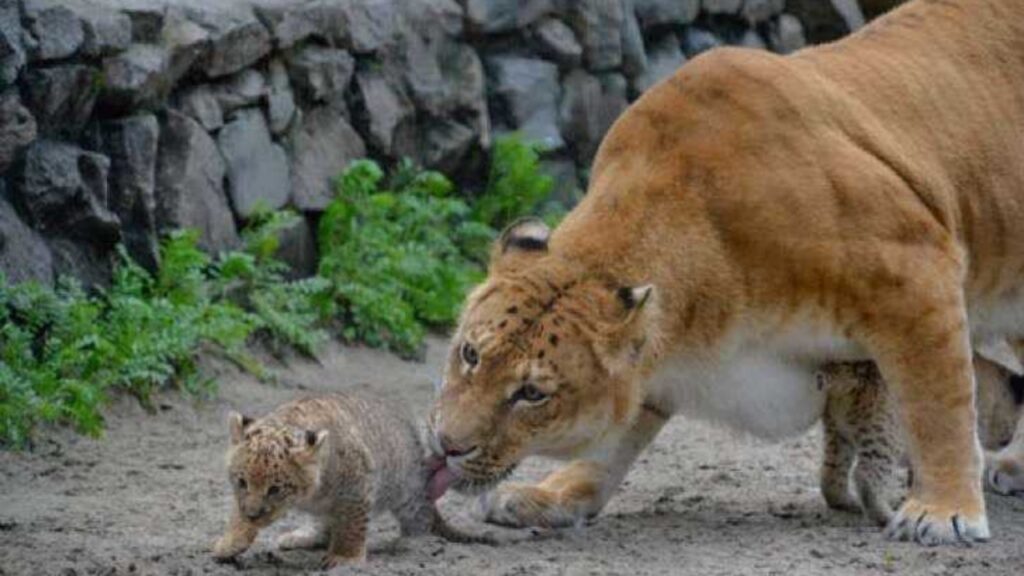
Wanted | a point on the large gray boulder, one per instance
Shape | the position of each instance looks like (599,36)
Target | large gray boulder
(24,254)
(244,89)
(321,74)
(598,24)
(663,59)
(12,49)
(131,145)
(201,104)
(496,16)
(826,20)
(721,6)
(257,169)
(556,41)
(527,90)
(137,77)
(321,146)
(63,190)
(237,39)
(590,104)
(292,23)
(786,34)
(372,25)
(281,107)
(655,13)
(56,30)
(145,74)
(189,184)
(61,97)
(445,145)
(697,40)
(385,113)
(105,30)
(634,57)
(758,11)
(17,128)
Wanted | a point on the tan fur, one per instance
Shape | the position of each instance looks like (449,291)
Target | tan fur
(863,435)
(341,458)
(863,197)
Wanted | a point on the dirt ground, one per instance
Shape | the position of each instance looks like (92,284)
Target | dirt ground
(151,496)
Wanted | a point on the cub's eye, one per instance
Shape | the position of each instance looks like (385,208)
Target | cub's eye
(273,490)
(529,394)
(241,484)
(469,354)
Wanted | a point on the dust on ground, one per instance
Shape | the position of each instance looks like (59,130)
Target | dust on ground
(151,497)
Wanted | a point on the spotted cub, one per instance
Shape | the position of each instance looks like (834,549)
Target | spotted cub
(341,458)
(862,432)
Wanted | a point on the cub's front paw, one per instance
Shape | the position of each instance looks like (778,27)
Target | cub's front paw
(307,538)
(520,505)
(934,524)
(335,564)
(1005,475)
(227,548)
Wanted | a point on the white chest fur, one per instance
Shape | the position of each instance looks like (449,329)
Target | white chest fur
(766,387)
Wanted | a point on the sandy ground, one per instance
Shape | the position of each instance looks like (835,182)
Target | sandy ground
(151,496)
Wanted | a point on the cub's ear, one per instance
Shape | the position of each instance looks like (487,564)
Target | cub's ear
(309,442)
(523,238)
(237,423)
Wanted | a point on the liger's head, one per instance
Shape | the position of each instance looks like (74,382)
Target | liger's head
(544,362)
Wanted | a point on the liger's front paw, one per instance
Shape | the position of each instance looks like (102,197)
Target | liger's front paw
(520,505)
(1005,475)
(932,525)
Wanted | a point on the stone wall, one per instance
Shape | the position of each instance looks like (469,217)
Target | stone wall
(122,119)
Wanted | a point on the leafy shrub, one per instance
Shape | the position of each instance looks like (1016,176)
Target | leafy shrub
(515,185)
(286,312)
(402,251)
(62,349)
(393,255)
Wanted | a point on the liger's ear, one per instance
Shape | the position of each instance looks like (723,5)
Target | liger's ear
(524,237)
(237,423)
(634,299)
(627,336)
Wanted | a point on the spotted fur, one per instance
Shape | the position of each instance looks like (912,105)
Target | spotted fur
(341,458)
(864,439)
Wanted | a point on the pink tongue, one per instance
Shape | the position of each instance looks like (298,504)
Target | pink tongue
(440,480)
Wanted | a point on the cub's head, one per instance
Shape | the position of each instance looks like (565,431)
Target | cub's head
(271,466)
(545,361)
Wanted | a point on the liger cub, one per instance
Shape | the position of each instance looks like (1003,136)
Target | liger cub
(341,458)
(863,435)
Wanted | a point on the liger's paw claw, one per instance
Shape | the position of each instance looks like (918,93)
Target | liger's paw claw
(934,525)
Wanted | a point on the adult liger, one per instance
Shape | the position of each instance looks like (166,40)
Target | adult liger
(747,219)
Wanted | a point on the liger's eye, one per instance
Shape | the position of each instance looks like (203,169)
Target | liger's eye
(241,484)
(469,354)
(273,490)
(529,394)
